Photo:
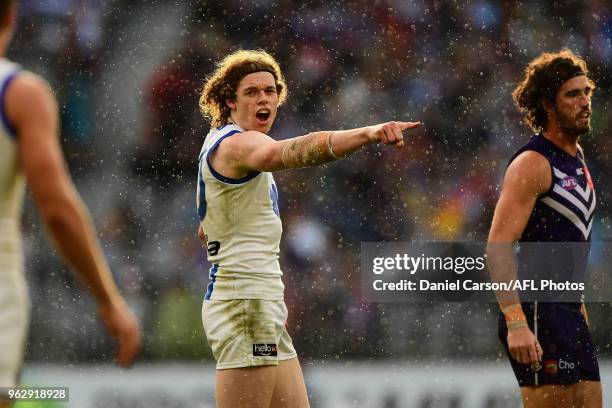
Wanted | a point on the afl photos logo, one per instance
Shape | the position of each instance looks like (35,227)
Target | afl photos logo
(264,350)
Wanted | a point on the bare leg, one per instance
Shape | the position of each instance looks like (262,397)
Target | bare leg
(587,394)
(250,387)
(548,396)
(290,390)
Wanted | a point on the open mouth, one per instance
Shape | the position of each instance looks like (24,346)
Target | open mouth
(263,115)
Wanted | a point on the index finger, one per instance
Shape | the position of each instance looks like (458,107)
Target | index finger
(408,125)
(533,354)
(540,351)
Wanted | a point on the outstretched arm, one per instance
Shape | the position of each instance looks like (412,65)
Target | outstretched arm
(31,107)
(526,178)
(254,151)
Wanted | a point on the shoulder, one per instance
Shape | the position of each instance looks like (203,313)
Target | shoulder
(236,141)
(530,170)
(27,97)
(529,162)
(530,158)
(28,84)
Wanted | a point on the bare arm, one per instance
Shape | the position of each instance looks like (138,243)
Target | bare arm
(254,151)
(33,111)
(527,177)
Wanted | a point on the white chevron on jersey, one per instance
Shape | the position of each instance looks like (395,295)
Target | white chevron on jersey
(570,215)
(585,223)
(575,201)
(584,193)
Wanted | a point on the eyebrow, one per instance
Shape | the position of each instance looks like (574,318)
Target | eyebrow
(574,90)
(253,87)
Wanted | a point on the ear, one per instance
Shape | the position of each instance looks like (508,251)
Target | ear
(231,104)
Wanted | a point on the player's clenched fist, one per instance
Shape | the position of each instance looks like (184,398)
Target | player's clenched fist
(524,347)
(390,132)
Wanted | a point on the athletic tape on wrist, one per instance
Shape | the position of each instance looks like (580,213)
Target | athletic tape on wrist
(513,325)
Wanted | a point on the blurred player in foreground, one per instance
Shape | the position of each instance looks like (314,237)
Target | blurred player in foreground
(243,312)
(548,196)
(29,147)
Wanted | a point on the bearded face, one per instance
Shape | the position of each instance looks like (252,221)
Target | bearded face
(573,106)
(575,123)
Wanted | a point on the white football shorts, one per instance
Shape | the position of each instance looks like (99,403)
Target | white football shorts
(14,321)
(247,332)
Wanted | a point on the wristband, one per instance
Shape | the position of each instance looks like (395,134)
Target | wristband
(513,313)
(513,325)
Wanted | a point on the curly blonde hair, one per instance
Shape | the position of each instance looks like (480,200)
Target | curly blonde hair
(543,78)
(223,83)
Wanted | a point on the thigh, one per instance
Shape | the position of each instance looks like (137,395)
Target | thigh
(548,396)
(247,333)
(250,387)
(587,394)
(290,390)
(223,322)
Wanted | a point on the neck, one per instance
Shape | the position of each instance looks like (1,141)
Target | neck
(563,140)
(232,121)
(5,39)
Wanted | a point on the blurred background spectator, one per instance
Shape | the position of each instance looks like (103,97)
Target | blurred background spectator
(128,75)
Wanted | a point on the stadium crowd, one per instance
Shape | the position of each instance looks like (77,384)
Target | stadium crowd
(451,65)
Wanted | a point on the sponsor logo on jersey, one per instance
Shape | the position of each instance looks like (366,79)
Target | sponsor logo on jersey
(264,350)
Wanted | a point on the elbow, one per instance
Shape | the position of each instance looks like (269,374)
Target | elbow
(58,216)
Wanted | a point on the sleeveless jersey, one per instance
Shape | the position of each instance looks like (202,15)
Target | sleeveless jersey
(562,214)
(12,182)
(241,221)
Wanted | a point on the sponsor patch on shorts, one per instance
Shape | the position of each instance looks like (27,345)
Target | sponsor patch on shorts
(265,350)
(551,367)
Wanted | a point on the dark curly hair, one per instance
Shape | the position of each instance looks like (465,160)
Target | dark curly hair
(543,78)
(5,6)
(223,83)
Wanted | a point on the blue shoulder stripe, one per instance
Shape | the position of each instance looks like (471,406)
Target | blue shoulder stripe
(251,175)
(3,117)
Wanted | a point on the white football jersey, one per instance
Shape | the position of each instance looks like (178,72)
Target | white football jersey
(243,228)
(12,182)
